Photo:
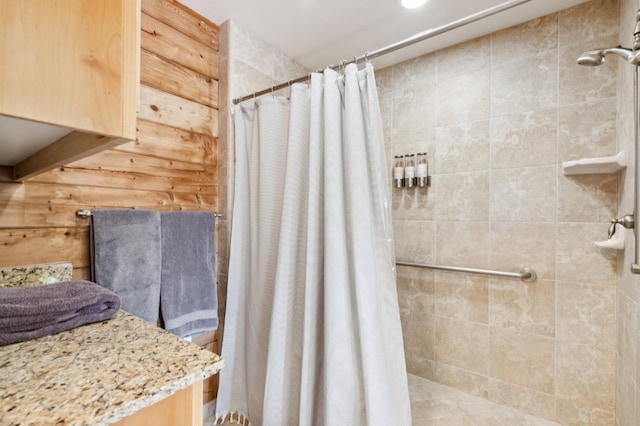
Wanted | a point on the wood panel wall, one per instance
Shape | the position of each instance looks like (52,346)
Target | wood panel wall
(172,165)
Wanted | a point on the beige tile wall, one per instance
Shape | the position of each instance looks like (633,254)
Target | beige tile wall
(497,116)
(497,123)
(628,296)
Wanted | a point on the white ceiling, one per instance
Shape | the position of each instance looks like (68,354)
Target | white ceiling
(317,33)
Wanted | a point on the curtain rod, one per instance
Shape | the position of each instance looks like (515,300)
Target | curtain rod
(399,45)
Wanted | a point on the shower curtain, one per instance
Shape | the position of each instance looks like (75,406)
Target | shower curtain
(312,330)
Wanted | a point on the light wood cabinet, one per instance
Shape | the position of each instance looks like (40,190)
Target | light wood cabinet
(183,408)
(73,64)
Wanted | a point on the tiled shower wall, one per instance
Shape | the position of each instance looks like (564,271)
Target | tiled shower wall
(628,297)
(246,64)
(497,116)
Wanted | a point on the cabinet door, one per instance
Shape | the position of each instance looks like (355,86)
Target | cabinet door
(71,63)
(183,408)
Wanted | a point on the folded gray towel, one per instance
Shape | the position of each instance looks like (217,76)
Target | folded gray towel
(126,257)
(188,296)
(30,312)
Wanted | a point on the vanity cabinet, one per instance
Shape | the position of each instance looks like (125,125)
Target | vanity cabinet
(184,408)
(72,64)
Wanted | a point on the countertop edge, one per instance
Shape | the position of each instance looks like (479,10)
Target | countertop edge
(166,391)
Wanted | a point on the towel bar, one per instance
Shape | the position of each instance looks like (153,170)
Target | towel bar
(526,274)
(84,213)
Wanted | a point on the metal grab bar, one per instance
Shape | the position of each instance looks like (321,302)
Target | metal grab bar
(526,274)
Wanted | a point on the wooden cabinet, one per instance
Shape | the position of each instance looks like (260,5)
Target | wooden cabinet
(183,408)
(73,64)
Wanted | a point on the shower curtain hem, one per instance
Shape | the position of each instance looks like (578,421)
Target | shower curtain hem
(234,417)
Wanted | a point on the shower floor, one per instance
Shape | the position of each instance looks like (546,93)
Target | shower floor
(436,404)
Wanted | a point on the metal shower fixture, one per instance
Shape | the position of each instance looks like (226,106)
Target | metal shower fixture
(593,58)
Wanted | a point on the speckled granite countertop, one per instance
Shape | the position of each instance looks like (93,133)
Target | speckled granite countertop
(97,374)
(19,276)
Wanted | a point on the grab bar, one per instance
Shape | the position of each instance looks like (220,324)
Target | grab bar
(527,275)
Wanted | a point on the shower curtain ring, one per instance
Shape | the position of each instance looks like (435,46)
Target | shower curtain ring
(355,60)
(366,57)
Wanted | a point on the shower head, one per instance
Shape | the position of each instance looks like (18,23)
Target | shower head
(593,58)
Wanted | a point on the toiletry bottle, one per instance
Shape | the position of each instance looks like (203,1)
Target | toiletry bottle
(410,171)
(422,169)
(398,171)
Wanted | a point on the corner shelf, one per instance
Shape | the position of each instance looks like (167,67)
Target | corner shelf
(595,165)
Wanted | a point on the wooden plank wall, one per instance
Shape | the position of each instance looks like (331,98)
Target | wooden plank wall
(171,166)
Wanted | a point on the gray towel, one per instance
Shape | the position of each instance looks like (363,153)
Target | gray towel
(188,296)
(126,257)
(27,313)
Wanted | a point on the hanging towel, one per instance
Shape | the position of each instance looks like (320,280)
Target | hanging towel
(188,296)
(28,313)
(126,257)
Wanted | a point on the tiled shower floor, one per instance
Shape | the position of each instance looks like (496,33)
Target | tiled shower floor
(436,404)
